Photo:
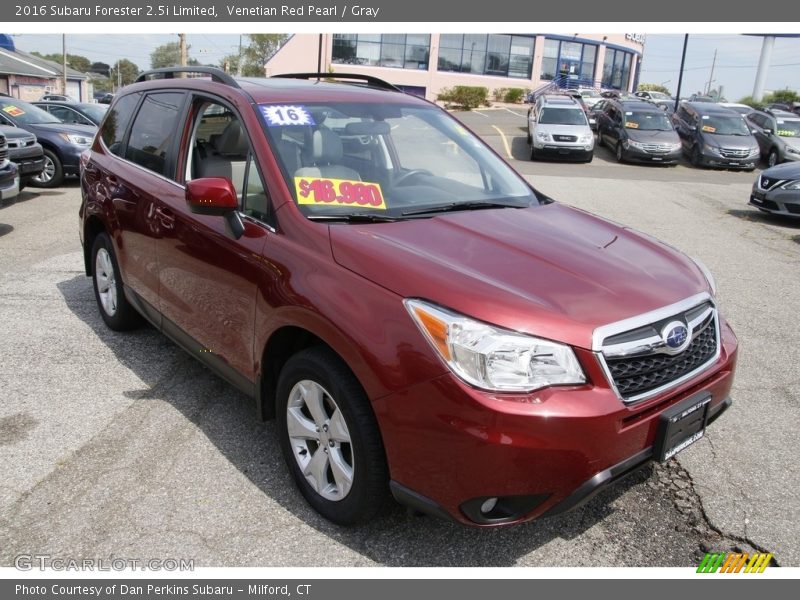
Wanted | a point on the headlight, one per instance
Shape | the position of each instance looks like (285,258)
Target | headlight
(638,145)
(492,358)
(792,150)
(542,136)
(755,151)
(585,139)
(77,139)
(706,273)
(712,149)
(675,146)
(792,185)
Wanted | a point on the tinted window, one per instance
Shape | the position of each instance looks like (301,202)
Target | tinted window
(117,121)
(562,116)
(153,131)
(67,115)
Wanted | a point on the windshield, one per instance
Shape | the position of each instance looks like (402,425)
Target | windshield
(562,116)
(389,160)
(647,121)
(590,94)
(788,128)
(95,112)
(22,113)
(724,125)
(659,96)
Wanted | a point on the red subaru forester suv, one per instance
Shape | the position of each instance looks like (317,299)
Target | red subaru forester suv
(416,317)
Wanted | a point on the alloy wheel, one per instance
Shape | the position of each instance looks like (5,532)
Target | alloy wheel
(106,282)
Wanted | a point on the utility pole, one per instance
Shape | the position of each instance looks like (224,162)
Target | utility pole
(711,77)
(64,62)
(184,52)
(239,62)
(680,75)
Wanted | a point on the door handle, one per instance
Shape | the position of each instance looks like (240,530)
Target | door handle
(166,217)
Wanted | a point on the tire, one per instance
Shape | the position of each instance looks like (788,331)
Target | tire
(533,152)
(695,157)
(53,174)
(772,158)
(114,307)
(591,156)
(317,378)
(529,138)
(619,153)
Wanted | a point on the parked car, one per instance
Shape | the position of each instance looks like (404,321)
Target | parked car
(701,98)
(657,97)
(638,131)
(79,113)
(715,136)
(25,152)
(56,98)
(590,96)
(106,98)
(777,190)
(62,143)
(742,109)
(9,178)
(777,133)
(558,127)
(417,321)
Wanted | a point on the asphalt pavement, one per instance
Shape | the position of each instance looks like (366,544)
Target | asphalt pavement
(120,444)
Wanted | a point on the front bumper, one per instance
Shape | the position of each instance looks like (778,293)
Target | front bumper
(576,152)
(29,161)
(450,447)
(9,182)
(634,154)
(778,201)
(70,155)
(714,160)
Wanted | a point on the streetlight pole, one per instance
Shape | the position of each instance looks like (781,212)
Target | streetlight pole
(680,76)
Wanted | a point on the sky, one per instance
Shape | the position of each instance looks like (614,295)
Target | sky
(735,69)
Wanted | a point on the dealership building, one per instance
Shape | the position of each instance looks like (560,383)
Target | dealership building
(424,64)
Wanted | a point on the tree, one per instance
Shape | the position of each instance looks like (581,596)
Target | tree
(259,50)
(169,55)
(74,61)
(124,72)
(653,87)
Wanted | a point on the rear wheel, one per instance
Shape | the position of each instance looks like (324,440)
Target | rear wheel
(330,438)
(114,307)
(620,152)
(53,173)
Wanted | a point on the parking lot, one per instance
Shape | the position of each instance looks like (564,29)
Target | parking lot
(123,445)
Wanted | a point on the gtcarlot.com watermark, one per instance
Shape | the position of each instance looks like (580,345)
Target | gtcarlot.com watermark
(43,562)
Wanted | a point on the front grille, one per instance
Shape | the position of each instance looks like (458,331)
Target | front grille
(565,138)
(639,375)
(3,154)
(656,148)
(21,142)
(767,183)
(727,153)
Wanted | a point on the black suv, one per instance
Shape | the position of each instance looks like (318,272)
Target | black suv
(715,136)
(637,131)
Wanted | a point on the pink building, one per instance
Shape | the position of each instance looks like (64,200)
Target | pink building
(424,64)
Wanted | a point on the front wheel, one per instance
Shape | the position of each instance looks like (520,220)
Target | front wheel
(53,173)
(620,153)
(330,438)
(772,159)
(696,159)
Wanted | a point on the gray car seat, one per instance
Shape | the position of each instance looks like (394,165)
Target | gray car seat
(228,157)
(323,158)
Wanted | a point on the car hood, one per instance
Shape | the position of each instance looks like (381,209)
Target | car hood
(14,132)
(551,270)
(732,142)
(792,142)
(653,137)
(55,128)
(788,170)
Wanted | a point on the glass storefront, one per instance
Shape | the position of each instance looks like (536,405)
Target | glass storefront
(481,54)
(401,51)
(568,61)
(617,68)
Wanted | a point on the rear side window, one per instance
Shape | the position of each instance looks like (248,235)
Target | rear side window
(153,131)
(116,122)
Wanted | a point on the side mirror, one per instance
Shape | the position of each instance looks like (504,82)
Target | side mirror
(767,132)
(592,121)
(215,196)
(692,128)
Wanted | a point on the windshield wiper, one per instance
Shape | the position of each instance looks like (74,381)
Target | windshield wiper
(456,206)
(354,218)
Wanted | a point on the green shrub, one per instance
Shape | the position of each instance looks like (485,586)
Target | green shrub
(514,95)
(465,96)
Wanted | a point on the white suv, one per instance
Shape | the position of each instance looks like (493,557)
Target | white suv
(558,127)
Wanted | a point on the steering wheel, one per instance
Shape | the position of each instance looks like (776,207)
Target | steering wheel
(410,174)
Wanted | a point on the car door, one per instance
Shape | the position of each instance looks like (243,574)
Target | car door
(757,124)
(68,115)
(208,279)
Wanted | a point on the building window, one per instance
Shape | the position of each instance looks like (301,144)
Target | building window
(617,68)
(400,51)
(500,55)
(570,62)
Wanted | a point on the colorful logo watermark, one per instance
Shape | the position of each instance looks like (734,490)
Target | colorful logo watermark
(731,562)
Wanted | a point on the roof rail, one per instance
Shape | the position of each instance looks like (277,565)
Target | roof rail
(217,75)
(368,79)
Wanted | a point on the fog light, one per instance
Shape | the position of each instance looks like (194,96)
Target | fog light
(587,148)
(489,505)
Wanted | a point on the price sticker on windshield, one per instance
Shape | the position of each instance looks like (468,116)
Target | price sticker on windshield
(338,192)
(14,111)
(283,115)
(709,128)
(631,125)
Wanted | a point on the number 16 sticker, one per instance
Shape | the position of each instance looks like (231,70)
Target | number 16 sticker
(279,116)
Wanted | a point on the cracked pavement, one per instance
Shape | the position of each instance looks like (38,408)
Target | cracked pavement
(122,445)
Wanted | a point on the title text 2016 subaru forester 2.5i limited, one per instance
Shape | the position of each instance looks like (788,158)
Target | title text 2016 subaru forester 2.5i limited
(415,316)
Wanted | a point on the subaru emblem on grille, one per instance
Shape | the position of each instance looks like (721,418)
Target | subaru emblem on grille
(676,337)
